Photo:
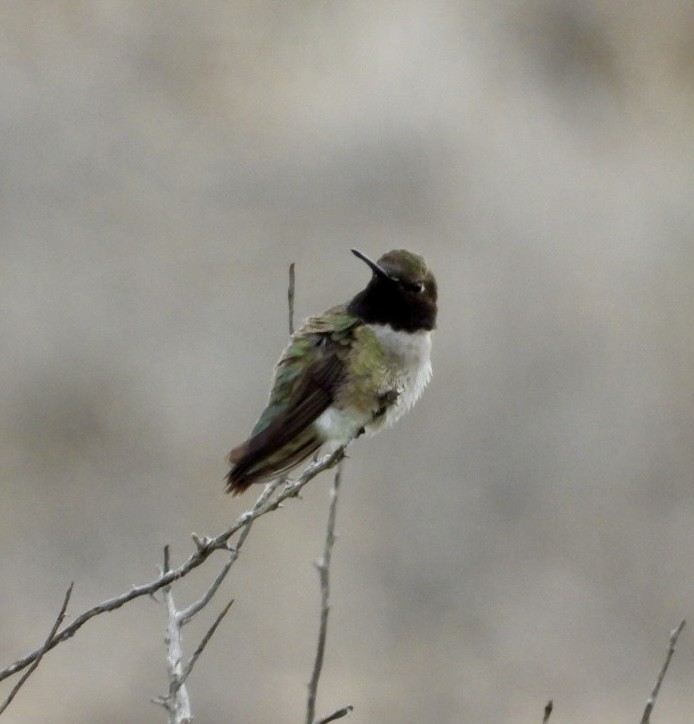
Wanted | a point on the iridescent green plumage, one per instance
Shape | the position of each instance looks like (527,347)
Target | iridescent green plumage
(309,371)
(307,348)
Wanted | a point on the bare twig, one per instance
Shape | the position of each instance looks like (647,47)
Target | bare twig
(205,547)
(336,715)
(290,298)
(323,566)
(177,703)
(549,706)
(205,640)
(674,635)
(186,614)
(39,654)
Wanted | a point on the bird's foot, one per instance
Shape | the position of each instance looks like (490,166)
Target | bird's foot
(385,400)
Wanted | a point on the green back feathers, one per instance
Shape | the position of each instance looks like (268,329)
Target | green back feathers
(327,334)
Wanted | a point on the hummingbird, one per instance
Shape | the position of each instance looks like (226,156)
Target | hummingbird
(354,369)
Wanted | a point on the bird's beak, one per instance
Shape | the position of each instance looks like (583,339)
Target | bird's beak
(375,267)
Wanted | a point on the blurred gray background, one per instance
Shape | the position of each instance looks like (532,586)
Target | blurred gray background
(527,532)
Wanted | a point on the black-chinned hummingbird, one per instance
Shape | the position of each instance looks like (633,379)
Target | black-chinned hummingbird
(351,370)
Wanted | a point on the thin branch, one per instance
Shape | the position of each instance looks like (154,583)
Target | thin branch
(46,646)
(205,640)
(650,703)
(549,706)
(205,547)
(337,715)
(184,615)
(187,613)
(290,298)
(323,566)
(177,703)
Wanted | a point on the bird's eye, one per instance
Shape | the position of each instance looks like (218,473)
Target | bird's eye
(417,287)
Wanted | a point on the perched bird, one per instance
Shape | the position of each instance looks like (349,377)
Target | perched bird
(351,370)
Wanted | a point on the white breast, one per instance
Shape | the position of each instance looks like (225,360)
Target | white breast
(409,368)
(407,371)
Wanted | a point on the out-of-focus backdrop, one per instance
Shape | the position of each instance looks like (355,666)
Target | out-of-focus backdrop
(527,532)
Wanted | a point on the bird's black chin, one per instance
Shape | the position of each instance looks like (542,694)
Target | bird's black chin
(384,302)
